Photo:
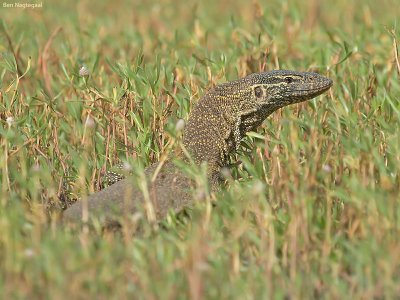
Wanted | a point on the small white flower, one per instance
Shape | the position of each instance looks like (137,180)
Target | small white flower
(29,252)
(180,125)
(326,168)
(226,173)
(127,166)
(84,71)
(10,121)
(258,188)
(89,122)
(36,167)
(200,194)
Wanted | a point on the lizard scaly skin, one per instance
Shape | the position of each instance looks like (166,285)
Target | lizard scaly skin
(214,130)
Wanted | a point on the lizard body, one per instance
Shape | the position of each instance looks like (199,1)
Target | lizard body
(215,128)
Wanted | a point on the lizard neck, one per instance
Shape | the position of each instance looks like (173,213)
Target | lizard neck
(219,122)
(207,134)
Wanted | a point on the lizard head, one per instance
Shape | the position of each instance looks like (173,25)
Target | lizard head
(280,88)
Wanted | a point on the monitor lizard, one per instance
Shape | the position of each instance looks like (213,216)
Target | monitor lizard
(214,129)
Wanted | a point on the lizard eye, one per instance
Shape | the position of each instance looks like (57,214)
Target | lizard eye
(258,91)
(288,79)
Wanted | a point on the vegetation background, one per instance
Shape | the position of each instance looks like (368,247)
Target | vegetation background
(314,210)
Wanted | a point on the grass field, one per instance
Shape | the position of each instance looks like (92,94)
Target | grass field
(314,209)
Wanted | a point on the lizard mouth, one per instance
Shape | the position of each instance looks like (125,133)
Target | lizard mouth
(311,93)
(300,95)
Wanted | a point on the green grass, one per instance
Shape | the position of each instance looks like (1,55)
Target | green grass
(313,211)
